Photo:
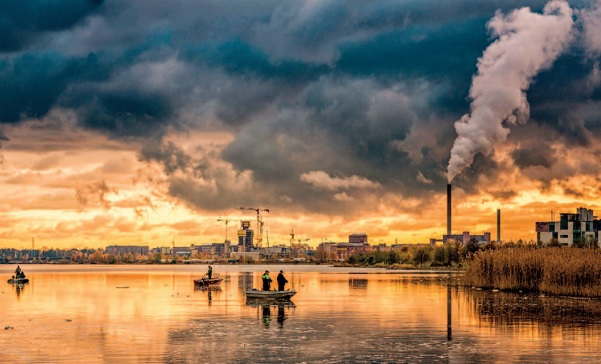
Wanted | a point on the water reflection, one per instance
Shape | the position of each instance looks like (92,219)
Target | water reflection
(517,309)
(357,283)
(281,315)
(336,317)
(266,314)
(245,282)
(18,288)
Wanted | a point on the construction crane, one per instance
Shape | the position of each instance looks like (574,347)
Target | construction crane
(260,222)
(226,220)
(294,248)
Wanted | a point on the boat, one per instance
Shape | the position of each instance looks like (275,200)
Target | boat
(18,280)
(255,294)
(206,282)
(19,277)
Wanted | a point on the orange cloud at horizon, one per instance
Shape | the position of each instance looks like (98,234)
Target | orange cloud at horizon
(93,192)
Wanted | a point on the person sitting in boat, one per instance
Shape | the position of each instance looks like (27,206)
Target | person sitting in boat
(266,281)
(281,281)
(210,272)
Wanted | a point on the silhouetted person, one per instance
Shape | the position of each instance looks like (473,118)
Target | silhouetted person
(281,281)
(19,273)
(210,272)
(266,281)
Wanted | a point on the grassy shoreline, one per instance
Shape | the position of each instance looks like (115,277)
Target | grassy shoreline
(556,271)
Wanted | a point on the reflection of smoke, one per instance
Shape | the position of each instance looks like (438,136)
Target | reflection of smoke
(528,42)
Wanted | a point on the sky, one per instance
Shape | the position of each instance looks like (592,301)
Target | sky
(146,122)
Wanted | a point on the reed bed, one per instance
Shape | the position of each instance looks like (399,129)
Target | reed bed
(558,271)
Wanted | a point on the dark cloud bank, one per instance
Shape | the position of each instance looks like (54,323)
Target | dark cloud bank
(368,89)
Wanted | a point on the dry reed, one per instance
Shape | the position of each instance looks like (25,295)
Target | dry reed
(559,271)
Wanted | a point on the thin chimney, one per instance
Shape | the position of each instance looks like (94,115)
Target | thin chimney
(449,209)
(498,224)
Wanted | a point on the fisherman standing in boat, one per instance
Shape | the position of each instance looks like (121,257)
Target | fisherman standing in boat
(266,281)
(19,273)
(210,272)
(281,280)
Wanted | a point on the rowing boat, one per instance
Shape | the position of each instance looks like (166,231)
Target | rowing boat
(206,282)
(18,280)
(270,295)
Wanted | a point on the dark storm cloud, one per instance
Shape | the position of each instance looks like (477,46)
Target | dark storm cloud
(538,155)
(126,113)
(171,157)
(340,87)
(22,21)
(31,83)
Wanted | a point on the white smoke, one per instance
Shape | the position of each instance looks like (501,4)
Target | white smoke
(527,43)
(592,29)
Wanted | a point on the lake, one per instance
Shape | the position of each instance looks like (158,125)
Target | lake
(152,314)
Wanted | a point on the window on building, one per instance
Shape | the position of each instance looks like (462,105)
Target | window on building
(563,222)
(563,236)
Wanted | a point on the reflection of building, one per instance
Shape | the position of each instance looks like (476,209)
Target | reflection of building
(579,228)
(127,249)
(357,282)
(245,237)
(245,281)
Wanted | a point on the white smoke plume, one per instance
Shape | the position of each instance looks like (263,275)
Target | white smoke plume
(527,43)
(592,29)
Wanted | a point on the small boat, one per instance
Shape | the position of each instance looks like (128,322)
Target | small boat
(18,280)
(205,282)
(269,295)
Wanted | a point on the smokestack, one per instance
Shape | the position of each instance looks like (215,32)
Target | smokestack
(498,224)
(449,209)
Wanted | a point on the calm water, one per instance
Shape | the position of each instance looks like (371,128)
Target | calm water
(152,314)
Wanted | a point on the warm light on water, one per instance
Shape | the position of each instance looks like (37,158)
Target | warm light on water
(152,314)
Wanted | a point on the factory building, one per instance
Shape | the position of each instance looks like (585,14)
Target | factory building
(466,237)
(579,228)
(358,238)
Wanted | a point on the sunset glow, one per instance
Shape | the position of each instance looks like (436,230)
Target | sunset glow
(139,124)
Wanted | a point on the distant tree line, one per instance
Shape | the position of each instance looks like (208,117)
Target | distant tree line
(81,256)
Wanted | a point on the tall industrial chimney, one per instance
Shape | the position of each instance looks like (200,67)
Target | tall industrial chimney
(499,225)
(449,209)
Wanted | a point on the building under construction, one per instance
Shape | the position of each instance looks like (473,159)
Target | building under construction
(245,237)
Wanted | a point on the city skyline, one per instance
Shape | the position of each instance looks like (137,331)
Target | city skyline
(125,122)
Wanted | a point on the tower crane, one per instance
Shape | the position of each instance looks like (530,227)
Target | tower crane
(260,222)
(295,247)
(226,220)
